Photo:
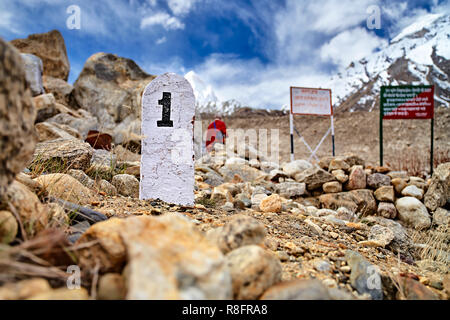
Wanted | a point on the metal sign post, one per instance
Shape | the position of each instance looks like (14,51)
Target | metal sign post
(310,101)
(407,102)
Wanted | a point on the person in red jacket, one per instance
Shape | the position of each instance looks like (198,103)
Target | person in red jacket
(216,133)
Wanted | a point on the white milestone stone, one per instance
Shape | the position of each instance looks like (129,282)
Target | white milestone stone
(167,164)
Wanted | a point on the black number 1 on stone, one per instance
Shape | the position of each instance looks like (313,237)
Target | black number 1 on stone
(165,102)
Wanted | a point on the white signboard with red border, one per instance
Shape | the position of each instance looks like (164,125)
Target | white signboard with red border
(311,101)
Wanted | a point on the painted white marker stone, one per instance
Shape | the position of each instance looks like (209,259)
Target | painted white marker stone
(167,164)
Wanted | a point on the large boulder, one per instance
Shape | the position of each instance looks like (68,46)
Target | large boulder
(33,72)
(358,201)
(50,47)
(413,212)
(17,133)
(438,194)
(165,258)
(110,87)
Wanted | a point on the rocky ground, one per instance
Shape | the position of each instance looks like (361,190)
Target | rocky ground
(406,142)
(72,226)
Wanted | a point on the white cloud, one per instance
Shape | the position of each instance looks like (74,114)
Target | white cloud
(7,22)
(253,83)
(350,45)
(164,19)
(181,7)
(161,40)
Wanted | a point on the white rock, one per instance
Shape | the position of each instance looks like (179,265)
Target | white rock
(413,191)
(413,212)
(297,166)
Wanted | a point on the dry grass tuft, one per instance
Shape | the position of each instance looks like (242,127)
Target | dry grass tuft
(417,163)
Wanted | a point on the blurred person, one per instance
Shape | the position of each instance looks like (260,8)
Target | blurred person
(216,133)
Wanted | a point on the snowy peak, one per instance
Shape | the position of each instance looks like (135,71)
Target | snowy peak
(203,92)
(206,99)
(419,54)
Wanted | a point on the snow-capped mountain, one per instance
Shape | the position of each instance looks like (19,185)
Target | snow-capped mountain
(206,99)
(419,54)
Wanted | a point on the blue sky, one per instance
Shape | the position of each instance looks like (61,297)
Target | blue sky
(248,50)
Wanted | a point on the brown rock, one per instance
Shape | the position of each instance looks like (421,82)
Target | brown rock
(271,204)
(24,289)
(65,187)
(166,258)
(110,87)
(17,134)
(134,171)
(253,270)
(8,227)
(246,172)
(414,290)
(61,90)
(377,180)
(109,252)
(356,179)
(314,177)
(240,231)
(52,131)
(357,201)
(332,187)
(382,169)
(126,185)
(27,205)
(50,47)
(111,286)
(438,194)
(399,184)
(107,188)
(340,175)
(385,194)
(324,162)
(387,210)
(338,164)
(353,160)
(60,154)
(441,216)
(398,174)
